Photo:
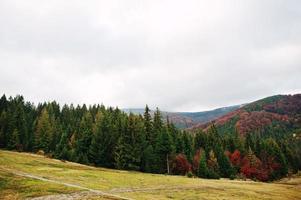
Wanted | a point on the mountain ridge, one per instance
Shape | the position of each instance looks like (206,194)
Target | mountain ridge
(276,112)
(188,119)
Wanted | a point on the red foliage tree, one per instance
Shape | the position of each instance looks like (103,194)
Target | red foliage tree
(181,165)
(250,165)
(196,161)
(235,158)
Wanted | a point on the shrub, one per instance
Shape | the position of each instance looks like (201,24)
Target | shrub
(232,177)
(41,152)
(189,174)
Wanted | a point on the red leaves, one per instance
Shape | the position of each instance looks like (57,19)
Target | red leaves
(250,121)
(250,166)
(181,165)
(235,158)
(196,161)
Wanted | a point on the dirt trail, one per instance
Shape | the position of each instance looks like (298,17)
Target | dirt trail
(88,191)
(83,195)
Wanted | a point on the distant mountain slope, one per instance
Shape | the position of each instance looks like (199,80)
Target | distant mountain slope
(189,119)
(275,114)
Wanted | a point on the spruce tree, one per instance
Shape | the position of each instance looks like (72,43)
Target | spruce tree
(84,138)
(157,125)
(164,147)
(225,168)
(3,130)
(63,148)
(148,126)
(149,160)
(187,146)
(95,149)
(14,141)
(43,132)
(203,169)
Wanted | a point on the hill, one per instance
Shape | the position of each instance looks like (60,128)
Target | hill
(189,119)
(275,114)
(26,176)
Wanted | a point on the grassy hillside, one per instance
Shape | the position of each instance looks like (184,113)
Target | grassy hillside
(20,174)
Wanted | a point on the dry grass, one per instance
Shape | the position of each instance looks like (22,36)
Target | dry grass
(147,186)
(16,187)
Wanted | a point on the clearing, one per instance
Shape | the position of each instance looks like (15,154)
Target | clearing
(30,176)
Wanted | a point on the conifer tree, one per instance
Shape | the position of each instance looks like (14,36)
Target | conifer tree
(164,148)
(128,152)
(63,148)
(157,125)
(84,138)
(225,168)
(14,141)
(203,169)
(200,140)
(273,149)
(187,146)
(148,126)
(3,103)
(3,129)
(149,160)
(43,132)
(95,149)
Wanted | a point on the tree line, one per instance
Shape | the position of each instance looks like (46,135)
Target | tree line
(108,137)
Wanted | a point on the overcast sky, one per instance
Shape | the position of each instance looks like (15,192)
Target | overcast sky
(177,55)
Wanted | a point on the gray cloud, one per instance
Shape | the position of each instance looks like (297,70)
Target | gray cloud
(176,55)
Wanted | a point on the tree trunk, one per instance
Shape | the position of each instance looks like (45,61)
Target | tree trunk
(167,164)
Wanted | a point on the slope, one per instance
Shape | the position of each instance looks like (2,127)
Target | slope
(279,114)
(128,184)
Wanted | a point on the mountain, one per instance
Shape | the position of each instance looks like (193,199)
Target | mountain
(189,119)
(271,115)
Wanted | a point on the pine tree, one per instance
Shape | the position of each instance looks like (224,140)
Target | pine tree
(149,160)
(273,150)
(102,150)
(43,132)
(200,140)
(157,125)
(225,168)
(187,146)
(128,151)
(3,103)
(203,169)
(95,149)
(148,126)
(3,130)
(84,138)
(63,148)
(179,143)
(164,148)
(213,139)
(14,141)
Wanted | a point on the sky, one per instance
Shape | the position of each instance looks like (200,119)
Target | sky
(176,55)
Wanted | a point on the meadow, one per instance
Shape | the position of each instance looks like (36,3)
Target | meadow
(31,176)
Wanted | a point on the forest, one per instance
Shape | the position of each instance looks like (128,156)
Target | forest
(108,137)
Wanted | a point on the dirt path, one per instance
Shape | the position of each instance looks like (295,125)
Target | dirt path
(83,195)
(76,195)
(160,188)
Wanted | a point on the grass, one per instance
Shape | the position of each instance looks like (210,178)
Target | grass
(134,185)
(16,187)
